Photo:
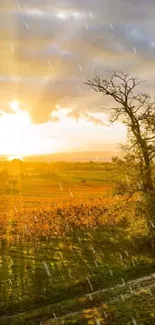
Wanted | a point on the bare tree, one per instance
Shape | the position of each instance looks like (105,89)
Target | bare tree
(137,111)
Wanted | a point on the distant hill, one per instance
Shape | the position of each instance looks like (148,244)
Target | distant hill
(70,156)
(74,156)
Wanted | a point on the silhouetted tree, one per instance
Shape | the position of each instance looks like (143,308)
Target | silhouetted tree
(137,111)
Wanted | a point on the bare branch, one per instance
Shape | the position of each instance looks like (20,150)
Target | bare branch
(139,115)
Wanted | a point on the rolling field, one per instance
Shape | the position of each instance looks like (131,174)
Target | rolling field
(73,253)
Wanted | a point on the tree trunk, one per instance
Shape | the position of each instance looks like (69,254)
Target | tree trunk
(148,181)
(150,213)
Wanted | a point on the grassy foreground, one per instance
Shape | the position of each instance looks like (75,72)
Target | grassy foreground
(74,262)
(75,259)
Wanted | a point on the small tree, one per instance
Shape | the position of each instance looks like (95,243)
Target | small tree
(137,111)
(128,179)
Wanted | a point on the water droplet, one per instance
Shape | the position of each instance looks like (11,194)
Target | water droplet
(71,194)
(91,15)
(27,26)
(90,296)
(69,272)
(18,4)
(80,67)
(46,268)
(121,257)
(91,287)
(134,321)
(54,315)
(152,224)
(96,263)
(123,281)
(61,189)
(133,262)
(49,63)
(134,49)
(105,314)
(122,297)
(11,47)
(86,25)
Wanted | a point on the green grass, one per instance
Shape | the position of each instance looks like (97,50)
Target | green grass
(37,282)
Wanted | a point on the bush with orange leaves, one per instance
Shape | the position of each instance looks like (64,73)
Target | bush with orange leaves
(50,217)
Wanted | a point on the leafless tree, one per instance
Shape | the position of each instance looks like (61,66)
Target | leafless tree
(137,111)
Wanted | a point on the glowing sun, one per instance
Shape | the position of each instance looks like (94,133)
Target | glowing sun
(16,132)
(15,106)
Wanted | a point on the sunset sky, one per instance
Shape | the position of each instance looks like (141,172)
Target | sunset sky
(47,50)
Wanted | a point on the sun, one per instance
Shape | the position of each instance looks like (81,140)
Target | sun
(16,131)
(20,118)
(20,136)
(15,105)
(12,157)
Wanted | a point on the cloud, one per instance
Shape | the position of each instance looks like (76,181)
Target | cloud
(54,119)
(67,41)
(79,114)
(95,120)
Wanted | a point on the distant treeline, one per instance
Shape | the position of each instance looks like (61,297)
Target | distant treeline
(17,167)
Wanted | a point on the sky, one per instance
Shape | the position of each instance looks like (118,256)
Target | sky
(47,50)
